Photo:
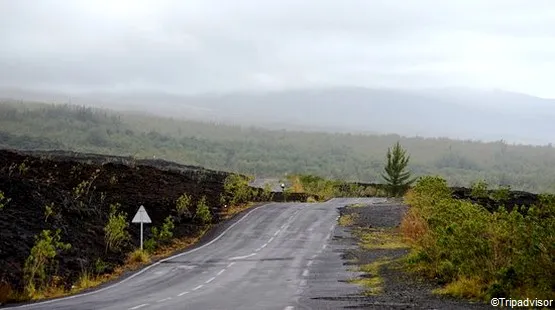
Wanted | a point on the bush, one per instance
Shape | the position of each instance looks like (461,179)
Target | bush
(236,190)
(3,200)
(182,205)
(479,189)
(165,233)
(115,231)
(203,211)
(42,253)
(509,254)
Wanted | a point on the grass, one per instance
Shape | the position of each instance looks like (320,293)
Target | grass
(138,257)
(380,238)
(465,287)
(371,280)
(348,219)
(230,211)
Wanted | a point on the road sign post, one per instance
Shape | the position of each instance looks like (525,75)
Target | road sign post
(141,217)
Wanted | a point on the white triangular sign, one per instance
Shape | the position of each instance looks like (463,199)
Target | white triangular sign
(141,216)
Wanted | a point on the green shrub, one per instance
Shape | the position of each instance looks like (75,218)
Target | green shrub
(165,233)
(505,254)
(115,231)
(182,205)
(236,190)
(47,246)
(479,189)
(3,200)
(203,211)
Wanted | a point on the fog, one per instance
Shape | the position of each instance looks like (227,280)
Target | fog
(161,53)
(207,45)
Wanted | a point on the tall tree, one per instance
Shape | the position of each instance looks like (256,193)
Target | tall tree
(397,177)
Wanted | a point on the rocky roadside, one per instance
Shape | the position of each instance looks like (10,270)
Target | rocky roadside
(385,285)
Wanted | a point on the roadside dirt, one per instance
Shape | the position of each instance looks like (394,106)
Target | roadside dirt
(399,289)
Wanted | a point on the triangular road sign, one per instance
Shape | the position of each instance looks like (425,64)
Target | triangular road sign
(141,216)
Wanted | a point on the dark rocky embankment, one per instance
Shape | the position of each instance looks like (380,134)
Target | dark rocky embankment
(79,189)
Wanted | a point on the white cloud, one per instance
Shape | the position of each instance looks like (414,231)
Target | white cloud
(196,46)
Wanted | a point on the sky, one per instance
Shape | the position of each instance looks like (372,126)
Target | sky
(230,45)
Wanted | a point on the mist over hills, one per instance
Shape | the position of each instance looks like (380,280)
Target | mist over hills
(453,113)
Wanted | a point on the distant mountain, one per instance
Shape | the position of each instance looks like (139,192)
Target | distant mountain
(453,113)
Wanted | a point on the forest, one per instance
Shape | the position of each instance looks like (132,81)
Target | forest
(270,153)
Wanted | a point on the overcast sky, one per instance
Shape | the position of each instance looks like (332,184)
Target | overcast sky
(191,46)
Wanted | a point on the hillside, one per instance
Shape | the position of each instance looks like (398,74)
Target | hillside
(450,112)
(271,153)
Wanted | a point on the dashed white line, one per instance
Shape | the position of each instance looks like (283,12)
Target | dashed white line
(139,306)
(277,232)
(270,239)
(289,308)
(165,299)
(314,256)
(221,271)
(241,257)
(261,247)
(305,273)
(328,236)
(309,263)
(186,292)
(210,280)
(324,246)
(198,287)
(230,264)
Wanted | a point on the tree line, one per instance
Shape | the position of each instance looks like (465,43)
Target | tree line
(261,152)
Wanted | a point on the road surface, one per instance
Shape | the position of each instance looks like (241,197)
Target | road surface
(265,260)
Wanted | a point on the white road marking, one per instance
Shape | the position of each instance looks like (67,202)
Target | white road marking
(277,232)
(210,280)
(324,246)
(165,299)
(328,236)
(139,306)
(221,271)
(303,282)
(229,265)
(270,239)
(283,226)
(263,246)
(241,257)
(305,273)
(150,266)
(186,292)
(309,263)
(198,287)
(289,308)
(314,256)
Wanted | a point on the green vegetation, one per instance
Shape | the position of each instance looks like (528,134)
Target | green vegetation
(398,180)
(372,282)
(182,206)
(380,238)
(326,189)
(237,190)
(261,152)
(203,211)
(348,219)
(46,247)
(115,231)
(3,200)
(48,211)
(476,253)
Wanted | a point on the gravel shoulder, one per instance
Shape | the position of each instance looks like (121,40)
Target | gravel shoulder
(397,289)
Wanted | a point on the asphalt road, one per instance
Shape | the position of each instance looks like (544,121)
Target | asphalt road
(270,258)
